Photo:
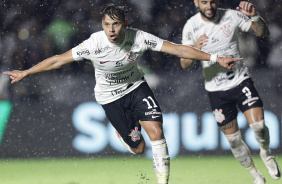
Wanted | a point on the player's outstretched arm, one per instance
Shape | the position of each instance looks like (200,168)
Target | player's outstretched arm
(200,42)
(48,64)
(188,52)
(258,27)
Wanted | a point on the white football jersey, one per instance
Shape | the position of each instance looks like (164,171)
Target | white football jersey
(116,70)
(222,40)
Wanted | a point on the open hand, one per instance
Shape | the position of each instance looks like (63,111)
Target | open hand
(16,75)
(227,62)
(201,41)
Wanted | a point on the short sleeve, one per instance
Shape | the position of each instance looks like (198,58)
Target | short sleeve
(187,34)
(244,22)
(82,51)
(149,41)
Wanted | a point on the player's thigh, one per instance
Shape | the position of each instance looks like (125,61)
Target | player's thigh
(249,101)
(147,110)
(120,116)
(254,114)
(145,106)
(223,107)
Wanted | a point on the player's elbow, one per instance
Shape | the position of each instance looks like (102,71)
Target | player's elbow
(186,64)
(264,33)
(56,62)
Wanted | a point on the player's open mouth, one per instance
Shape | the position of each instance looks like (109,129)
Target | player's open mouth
(209,13)
(113,37)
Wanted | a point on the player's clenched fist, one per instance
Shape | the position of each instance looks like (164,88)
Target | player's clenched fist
(247,8)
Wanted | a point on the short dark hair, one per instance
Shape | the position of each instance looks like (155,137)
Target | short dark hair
(114,11)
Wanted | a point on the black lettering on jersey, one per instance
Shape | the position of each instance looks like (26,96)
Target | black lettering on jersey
(151,43)
(128,43)
(189,35)
(83,52)
(214,40)
(242,16)
(227,18)
(101,50)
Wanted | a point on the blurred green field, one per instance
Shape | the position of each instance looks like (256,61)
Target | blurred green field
(127,170)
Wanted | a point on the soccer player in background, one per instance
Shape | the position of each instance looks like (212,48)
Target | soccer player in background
(121,88)
(214,30)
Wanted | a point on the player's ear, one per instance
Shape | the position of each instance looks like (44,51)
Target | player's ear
(125,23)
(196,3)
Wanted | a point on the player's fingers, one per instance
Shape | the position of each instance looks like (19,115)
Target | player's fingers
(249,7)
(237,59)
(241,5)
(244,5)
(7,73)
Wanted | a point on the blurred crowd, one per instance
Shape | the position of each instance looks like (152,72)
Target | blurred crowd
(33,30)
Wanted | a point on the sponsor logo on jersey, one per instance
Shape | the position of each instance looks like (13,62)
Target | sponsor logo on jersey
(128,43)
(242,16)
(83,52)
(220,79)
(219,116)
(151,43)
(250,101)
(227,32)
(135,134)
(214,40)
(119,64)
(154,117)
(103,62)
(115,78)
(189,36)
(227,18)
(225,49)
(230,75)
(101,50)
(152,112)
(198,28)
(117,92)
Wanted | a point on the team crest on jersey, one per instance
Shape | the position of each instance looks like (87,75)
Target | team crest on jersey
(227,32)
(135,134)
(219,117)
(132,56)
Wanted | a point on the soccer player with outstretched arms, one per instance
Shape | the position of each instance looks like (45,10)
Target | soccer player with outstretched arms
(121,88)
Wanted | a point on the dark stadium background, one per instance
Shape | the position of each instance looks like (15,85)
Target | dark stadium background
(38,115)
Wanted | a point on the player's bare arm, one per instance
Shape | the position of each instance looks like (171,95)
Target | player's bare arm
(200,42)
(183,51)
(258,27)
(47,64)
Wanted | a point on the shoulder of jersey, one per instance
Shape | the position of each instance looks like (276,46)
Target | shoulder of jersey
(98,34)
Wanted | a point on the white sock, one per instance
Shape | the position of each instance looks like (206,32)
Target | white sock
(161,160)
(262,136)
(254,172)
(239,149)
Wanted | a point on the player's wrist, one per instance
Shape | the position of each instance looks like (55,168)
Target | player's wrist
(213,58)
(256,17)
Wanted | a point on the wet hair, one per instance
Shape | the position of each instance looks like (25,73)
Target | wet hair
(114,11)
